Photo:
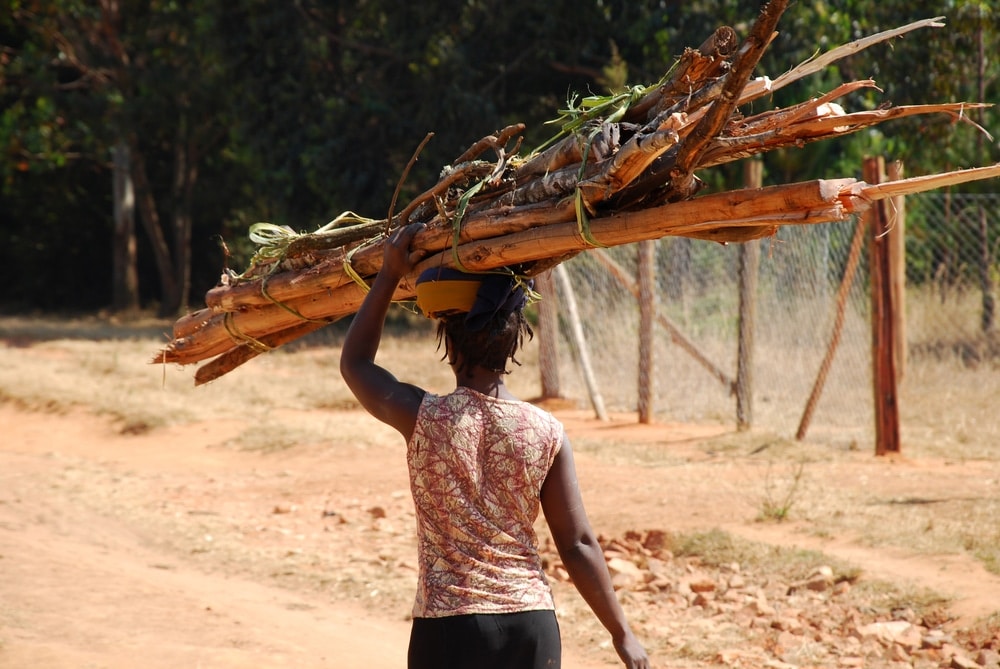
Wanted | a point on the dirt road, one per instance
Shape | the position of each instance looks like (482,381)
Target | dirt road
(165,549)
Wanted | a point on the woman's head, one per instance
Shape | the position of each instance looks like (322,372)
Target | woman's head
(489,347)
(481,316)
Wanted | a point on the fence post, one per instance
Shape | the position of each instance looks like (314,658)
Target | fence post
(883,348)
(576,334)
(753,171)
(897,264)
(987,322)
(647,322)
(548,335)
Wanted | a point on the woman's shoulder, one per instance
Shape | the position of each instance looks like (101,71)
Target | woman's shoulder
(541,415)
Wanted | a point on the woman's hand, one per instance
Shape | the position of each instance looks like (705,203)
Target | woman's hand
(583,557)
(397,260)
(631,652)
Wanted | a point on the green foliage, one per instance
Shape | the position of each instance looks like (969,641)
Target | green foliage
(295,112)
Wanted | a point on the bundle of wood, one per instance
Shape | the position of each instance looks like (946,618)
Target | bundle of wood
(622,170)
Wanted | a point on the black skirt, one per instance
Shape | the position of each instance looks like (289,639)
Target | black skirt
(527,640)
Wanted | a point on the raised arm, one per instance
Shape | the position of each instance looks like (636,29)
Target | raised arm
(380,393)
(583,557)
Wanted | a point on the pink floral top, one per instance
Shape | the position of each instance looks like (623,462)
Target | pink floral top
(477,465)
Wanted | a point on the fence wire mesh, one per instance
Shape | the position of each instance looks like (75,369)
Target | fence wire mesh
(950,380)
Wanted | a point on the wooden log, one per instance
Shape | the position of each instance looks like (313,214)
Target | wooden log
(755,209)
(746,60)
(620,170)
(485,224)
(328,274)
(818,63)
(706,62)
(595,146)
(911,185)
(243,353)
(207,334)
(636,156)
(807,130)
(698,215)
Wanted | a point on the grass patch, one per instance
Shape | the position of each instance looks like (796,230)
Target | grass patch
(777,503)
(271,438)
(986,549)
(924,602)
(717,548)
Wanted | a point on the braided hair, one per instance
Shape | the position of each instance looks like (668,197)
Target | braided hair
(490,347)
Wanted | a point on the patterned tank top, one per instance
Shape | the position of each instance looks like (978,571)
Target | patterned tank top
(477,465)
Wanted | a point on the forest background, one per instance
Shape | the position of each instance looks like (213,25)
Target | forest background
(221,114)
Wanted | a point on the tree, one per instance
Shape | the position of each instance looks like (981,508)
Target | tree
(50,137)
(133,75)
(296,111)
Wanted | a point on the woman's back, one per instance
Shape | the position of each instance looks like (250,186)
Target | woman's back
(477,465)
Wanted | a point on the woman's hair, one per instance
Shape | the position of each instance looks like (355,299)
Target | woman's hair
(489,347)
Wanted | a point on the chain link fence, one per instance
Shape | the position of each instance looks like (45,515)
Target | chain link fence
(952,267)
(952,348)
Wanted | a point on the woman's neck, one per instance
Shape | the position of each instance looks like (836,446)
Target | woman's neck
(484,381)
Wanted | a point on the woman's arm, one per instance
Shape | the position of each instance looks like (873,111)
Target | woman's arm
(583,557)
(380,393)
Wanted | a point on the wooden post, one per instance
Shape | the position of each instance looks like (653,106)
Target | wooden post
(883,340)
(987,284)
(897,264)
(753,171)
(576,330)
(647,322)
(548,335)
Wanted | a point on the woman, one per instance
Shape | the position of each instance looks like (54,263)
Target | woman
(481,464)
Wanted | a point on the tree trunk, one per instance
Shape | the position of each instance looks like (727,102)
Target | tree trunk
(185,176)
(150,218)
(125,273)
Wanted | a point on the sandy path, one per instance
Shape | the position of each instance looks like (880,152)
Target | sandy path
(84,593)
(81,589)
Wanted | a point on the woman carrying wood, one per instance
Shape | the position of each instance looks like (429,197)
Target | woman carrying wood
(481,464)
